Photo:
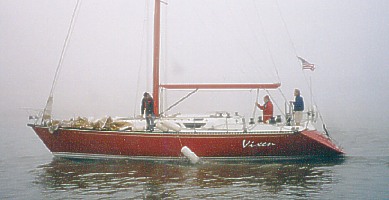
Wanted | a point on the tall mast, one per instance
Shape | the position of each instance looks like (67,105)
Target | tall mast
(157,21)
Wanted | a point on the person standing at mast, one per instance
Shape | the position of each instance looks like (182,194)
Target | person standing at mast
(147,108)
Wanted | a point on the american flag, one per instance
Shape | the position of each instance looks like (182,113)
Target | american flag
(306,65)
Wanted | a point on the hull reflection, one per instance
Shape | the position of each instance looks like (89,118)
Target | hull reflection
(145,179)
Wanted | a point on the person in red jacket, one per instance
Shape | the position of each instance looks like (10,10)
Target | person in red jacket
(267,109)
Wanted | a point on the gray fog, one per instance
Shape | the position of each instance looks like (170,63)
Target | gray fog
(107,65)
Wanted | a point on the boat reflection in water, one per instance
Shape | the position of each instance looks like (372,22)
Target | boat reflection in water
(146,179)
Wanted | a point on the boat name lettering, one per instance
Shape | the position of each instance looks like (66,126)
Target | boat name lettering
(253,144)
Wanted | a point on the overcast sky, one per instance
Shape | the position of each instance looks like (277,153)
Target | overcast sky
(107,64)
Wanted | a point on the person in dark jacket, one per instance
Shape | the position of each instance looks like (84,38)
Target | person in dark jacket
(298,107)
(147,108)
(267,108)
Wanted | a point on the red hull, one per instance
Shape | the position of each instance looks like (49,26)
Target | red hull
(90,143)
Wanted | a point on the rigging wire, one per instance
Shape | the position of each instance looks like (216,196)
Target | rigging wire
(295,52)
(286,28)
(251,56)
(65,45)
(63,52)
(293,45)
(144,37)
(291,42)
(267,42)
(179,101)
(270,53)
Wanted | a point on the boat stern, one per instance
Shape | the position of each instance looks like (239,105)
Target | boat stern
(322,144)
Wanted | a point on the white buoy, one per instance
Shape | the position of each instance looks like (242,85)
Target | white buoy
(190,155)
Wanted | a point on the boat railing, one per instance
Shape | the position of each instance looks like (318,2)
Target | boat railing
(308,116)
(219,121)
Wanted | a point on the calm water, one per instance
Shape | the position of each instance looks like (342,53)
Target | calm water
(28,171)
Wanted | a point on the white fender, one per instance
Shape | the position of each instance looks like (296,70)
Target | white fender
(138,128)
(171,125)
(190,155)
(161,127)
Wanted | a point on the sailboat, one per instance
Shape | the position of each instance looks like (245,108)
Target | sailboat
(215,136)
